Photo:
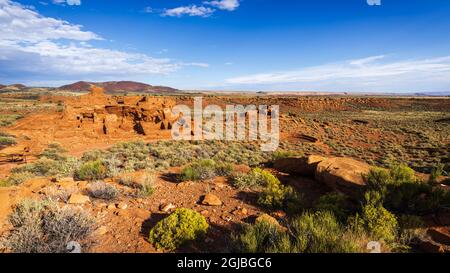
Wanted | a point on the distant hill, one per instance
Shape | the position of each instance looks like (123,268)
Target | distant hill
(12,87)
(118,87)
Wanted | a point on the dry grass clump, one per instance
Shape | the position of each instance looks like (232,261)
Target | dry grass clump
(44,227)
(102,190)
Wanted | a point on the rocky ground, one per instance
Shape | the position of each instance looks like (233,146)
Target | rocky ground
(362,132)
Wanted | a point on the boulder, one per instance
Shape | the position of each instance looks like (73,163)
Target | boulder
(78,199)
(304,166)
(211,200)
(268,219)
(344,175)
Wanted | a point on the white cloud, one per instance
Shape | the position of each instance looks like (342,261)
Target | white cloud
(367,74)
(191,10)
(18,23)
(148,10)
(31,44)
(229,5)
(68,2)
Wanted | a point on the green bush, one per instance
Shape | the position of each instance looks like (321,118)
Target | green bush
(275,195)
(91,170)
(280,154)
(205,169)
(336,203)
(262,237)
(254,179)
(436,172)
(402,192)
(182,226)
(318,232)
(379,222)
(224,169)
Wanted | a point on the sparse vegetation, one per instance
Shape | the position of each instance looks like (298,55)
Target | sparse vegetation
(318,232)
(44,227)
(402,192)
(205,169)
(182,226)
(91,170)
(102,190)
(9,119)
(179,153)
(6,141)
(253,179)
(336,203)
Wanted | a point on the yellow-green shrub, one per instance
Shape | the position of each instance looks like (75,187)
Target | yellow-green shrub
(182,226)
(91,170)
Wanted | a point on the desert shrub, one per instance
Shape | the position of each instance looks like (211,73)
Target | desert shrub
(336,203)
(275,195)
(318,232)
(144,185)
(147,189)
(55,193)
(205,169)
(6,141)
(48,167)
(102,190)
(182,226)
(253,179)
(262,237)
(436,172)
(44,227)
(179,153)
(224,169)
(91,170)
(379,222)
(55,152)
(200,170)
(411,229)
(122,157)
(9,119)
(401,191)
(17,178)
(280,154)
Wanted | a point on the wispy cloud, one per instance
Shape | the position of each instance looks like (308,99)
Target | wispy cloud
(205,10)
(32,44)
(68,2)
(229,5)
(191,10)
(371,73)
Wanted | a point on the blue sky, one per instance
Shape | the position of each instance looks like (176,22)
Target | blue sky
(319,45)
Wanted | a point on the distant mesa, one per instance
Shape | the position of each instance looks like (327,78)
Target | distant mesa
(13,87)
(119,87)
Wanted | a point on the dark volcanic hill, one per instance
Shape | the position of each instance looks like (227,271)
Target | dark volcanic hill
(119,87)
(1,86)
